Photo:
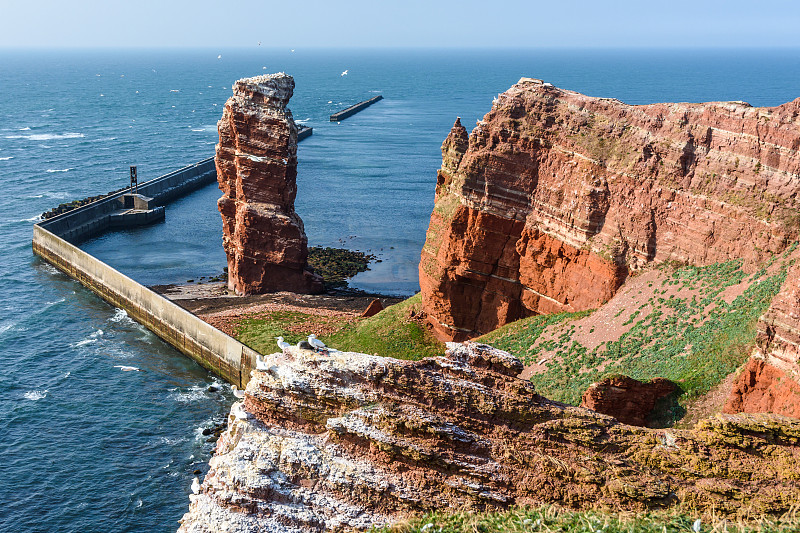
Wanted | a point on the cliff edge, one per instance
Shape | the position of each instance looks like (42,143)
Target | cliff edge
(347,440)
(556,197)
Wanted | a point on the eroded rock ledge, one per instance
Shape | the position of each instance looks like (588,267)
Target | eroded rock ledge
(256,160)
(555,197)
(348,440)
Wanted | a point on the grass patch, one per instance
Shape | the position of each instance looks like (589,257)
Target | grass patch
(691,335)
(554,519)
(391,333)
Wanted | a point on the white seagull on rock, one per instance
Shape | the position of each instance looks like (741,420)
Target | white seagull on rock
(315,342)
(260,364)
(195,486)
(237,392)
(238,411)
(283,345)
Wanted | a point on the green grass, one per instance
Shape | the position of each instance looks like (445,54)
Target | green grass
(390,333)
(555,519)
(694,338)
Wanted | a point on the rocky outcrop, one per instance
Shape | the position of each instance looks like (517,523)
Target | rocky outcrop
(256,160)
(770,382)
(348,440)
(628,400)
(555,197)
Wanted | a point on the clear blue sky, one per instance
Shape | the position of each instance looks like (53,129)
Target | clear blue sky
(410,23)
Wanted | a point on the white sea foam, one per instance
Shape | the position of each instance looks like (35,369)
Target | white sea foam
(24,129)
(84,342)
(47,136)
(5,327)
(36,218)
(193,394)
(201,129)
(126,368)
(54,302)
(6,158)
(51,170)
(34,395)
(304,121)
(121,316)
(57,195)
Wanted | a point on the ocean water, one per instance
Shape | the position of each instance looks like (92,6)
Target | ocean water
(88,446)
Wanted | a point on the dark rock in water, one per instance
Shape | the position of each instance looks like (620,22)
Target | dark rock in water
(374,307)
(213,388)
(207,431)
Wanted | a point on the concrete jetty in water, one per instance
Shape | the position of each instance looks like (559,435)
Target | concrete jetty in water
(353,109)
(213,349)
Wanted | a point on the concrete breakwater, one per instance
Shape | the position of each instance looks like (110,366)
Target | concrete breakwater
(353,109)
(211,348)
(98,216)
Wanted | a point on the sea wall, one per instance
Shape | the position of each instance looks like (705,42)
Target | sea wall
(214,350)
(95,217)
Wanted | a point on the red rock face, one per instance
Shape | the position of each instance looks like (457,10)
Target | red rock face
(626,399)
(556,197)
(257,169)
(344,441)
(771,380)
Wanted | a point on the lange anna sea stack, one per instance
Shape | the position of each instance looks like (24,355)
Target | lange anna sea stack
(256,163)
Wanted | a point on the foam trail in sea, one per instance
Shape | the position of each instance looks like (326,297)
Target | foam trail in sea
(47,136)
(52,170)
(35,395)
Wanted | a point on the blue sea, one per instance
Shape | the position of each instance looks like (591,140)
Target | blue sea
(87,446)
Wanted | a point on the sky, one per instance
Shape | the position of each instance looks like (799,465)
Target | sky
(409,23)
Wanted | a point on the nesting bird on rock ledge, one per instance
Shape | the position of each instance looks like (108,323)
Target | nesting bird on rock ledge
(315,343)
(283,345)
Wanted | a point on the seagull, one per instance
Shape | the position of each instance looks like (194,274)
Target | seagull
(259,43)
(237,392)
(316,343)
(219,56)
(196,486)
(344,73)
(260,364)
(283,345)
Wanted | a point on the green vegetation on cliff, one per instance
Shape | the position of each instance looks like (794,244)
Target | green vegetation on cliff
(691,325)
(554,519)
(394,332)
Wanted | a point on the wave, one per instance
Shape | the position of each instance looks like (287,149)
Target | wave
(47,136)
(120,315)
(36,218)
(303,121)
(56,195)
(34,395)
(24,129)
(126,368)
(6,158)
(84,342)
(51,170)
(192,394)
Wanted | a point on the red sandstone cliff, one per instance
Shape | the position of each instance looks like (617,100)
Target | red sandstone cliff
(556,197)
(345,441)
(257,169)
(770,382)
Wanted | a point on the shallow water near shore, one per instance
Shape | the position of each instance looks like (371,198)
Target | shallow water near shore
(89,446)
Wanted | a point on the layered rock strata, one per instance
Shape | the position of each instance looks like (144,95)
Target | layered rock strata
(770,382)
(555,197)
(346,441)
(256,161)
(628,400)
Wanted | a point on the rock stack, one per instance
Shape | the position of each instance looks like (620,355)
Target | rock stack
(256,160)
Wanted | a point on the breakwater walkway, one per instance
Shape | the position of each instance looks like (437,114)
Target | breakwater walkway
(353,109)
(211,348)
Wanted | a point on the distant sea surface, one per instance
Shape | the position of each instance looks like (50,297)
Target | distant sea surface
(87,446)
